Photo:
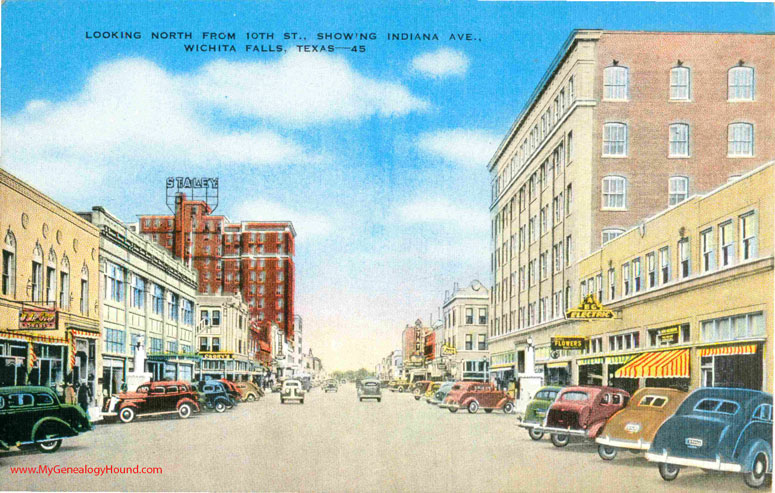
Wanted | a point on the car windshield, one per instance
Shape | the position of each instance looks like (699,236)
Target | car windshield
(456,387)
(546,395)
(292,384)
(653,401)
(575,396)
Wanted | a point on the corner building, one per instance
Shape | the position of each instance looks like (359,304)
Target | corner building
(622,125)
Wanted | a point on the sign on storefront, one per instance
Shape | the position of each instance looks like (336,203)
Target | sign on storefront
(589,309)
(569,343)
(34,319)
(445,349)
(668,335)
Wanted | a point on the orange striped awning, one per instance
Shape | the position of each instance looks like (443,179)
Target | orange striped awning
(728,350)
(658,364)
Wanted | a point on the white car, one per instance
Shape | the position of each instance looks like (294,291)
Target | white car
(292,390)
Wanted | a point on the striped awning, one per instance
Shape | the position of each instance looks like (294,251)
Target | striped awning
(618,360)
(728,350)
(590,361)
(658,364)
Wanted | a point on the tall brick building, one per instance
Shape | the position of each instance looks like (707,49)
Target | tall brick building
(251,257)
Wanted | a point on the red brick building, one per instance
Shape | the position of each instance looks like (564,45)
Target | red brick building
(251,257)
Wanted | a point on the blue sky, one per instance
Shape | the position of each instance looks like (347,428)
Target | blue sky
(379,158)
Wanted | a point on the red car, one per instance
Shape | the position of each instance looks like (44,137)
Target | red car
(476,395)
(582,411)
(154,398)
(234,392)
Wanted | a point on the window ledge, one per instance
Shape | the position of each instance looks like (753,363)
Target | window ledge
(614,156)
(671,100)
(614,209)
(679,156)
(734,156)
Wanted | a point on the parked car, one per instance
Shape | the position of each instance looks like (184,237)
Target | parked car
(213,396)
(633,428)
(383,384)
(250,391)
(718,429)
(419,388)
(477,395)
(277,385)
(154,398)
(399,385)
(234,392)
(582,411)
(536,411)
(34,415)
(292,390)
(330,386)
(370,389)
(431,390)
(441,393)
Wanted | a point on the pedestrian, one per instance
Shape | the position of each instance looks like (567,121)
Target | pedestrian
(84,396)
(69,393)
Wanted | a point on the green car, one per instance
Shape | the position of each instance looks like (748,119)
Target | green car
(34,415)
(536,410)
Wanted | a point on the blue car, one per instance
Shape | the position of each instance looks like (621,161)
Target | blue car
(718,429)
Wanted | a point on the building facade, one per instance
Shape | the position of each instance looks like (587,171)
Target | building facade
(463,350)
(223,338)
(692,291)
(613,134)
(49,295)
(146,295)
(413,340)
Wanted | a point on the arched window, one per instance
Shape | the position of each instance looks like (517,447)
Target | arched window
(741,83)
(614,139)
(740,140)
(614,192)
(36,277)
(51,276)
(611,233)
(678,189)
(680,83)
(64,283)
(84,290)
(616,83)
(679,140)
(9,264)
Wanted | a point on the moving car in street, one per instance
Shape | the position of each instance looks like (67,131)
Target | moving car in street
(370,389)
(330,386)
(441,393)
(477,395)
(419,388)
(34,415)
(536,411)
(154,398)
(582,411)
(250,391)
(719,429)
(213,396)
(292,390)
(633,428)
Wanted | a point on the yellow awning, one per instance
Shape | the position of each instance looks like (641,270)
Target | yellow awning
(590,361)
(728,350)
(558,364)
(657,364)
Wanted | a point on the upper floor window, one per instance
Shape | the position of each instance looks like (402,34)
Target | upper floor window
(615,82)
(740,139)
(680,83)
(679,140)
(684,255)
(726,241)
(707,248)
(748,236)
(741,84)
(611,233)
(678,189)
(9,264)
(614,139)
(614,192)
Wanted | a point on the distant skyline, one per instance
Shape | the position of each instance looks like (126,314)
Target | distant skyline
(379,158)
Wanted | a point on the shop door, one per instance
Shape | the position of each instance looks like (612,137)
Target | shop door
(741,371)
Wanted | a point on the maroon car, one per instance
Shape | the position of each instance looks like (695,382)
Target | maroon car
(476,395)
(154,398)
(582,411)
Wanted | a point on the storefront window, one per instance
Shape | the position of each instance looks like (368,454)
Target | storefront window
(114,340)
(730,328)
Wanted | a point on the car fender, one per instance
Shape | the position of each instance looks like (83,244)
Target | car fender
(754,448)
(226,401)
(189,401)
(595,429)
(122,405)
(62,426)
(465,401)
(503,402)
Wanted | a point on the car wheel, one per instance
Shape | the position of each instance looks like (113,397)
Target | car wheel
(400,389)
(473,406)
(606,453)
(302,401)
(417,397)
(379,400)
(282,401)
(185,410)
(488,411)
(508,408)
(219,407)
(560,440)
(49,446)
(452,410)
(127,415)
(251,397)
(668,471)
(758,474)
(535,434)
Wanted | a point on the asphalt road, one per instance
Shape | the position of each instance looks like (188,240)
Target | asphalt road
(334,443)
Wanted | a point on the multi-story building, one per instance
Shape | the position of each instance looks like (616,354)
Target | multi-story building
(252,258)
(397,364)
(613,134)
(413,344)
(463,351)
(691,288)
(49,294)
(222,337)
(147,295)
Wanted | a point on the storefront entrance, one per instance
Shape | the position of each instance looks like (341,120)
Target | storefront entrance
(739,370)
(13,370)
(591,374)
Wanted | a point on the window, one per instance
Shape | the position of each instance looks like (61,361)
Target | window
(599,283)
(623,342)
(741,84)
(85,290)
(615,83)
(483,316)
(636,274)
(614,139)
(611,233)
(731,328)
(172,347)
(114,341)
(570,147)
(64,284)
(544,264)
(188,312)
(156,346)
(726,239)
(482,342)
(469,342)
(568,250)
(173,304)
(37,281)
(664,264)
(679,140)
(51,283)
(626,279)
(611,284)
(571,89)
(651,269)
(216,317)
(216,343)
(568,199)
(740,140)
(748,236)
(158,299)
(614,192)
(680,83)
(114,282)
(469,316)
(137,297)
(678,189)
(706,244)
(9,264)
(684,255)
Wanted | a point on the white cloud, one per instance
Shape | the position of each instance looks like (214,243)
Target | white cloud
(443,62)
(463,147)
(306,224)
(442,212)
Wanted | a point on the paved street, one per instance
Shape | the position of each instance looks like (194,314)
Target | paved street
(335,443)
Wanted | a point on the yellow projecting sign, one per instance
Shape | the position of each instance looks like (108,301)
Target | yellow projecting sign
(589,309)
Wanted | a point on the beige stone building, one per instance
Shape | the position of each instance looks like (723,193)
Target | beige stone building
(222,334)
(49,297)
(692,293)
(462,350)
(622,125)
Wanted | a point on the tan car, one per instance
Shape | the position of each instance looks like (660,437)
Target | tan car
(250,391)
